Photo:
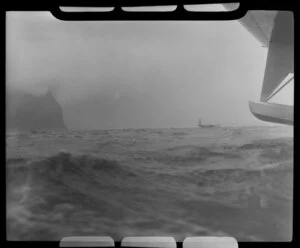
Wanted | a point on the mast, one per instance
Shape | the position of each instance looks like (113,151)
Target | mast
(199,122)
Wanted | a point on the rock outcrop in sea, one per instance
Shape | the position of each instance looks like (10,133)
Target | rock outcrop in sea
(26,111)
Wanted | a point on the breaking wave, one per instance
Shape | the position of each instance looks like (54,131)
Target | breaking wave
(63,167)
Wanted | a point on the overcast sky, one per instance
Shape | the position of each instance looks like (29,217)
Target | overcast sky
(138,74)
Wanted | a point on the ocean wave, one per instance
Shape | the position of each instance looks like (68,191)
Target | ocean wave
(76,173)
(182,155)
(197,154)
(241,175)
(268,143)
(136,183)
(64,162)
(89,191)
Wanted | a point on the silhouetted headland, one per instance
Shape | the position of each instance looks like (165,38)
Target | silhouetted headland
(26,111)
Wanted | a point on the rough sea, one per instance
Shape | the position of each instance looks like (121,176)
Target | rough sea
(223,181)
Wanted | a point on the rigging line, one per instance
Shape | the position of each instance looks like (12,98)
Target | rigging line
(275,92)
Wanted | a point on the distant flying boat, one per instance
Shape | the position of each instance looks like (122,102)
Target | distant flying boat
(200,124)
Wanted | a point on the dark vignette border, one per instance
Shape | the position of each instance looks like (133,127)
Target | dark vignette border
(179,14)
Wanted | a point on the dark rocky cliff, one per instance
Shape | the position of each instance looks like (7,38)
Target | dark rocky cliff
(30,112)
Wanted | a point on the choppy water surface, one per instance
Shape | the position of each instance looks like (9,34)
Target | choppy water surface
(177,182)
